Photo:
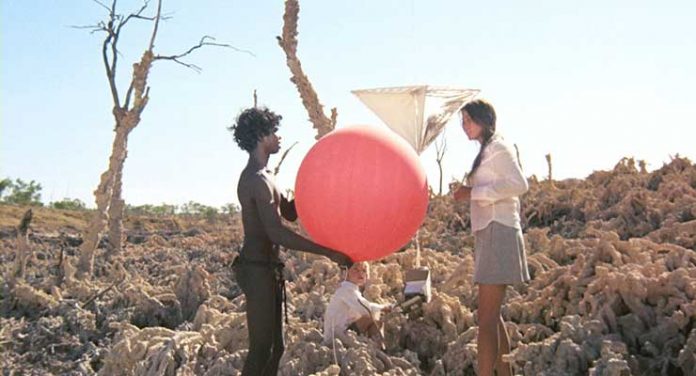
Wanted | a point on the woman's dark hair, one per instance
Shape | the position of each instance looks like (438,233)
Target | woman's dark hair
(483,114)
(252,125)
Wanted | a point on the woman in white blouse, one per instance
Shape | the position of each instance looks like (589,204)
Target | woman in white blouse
(494,184)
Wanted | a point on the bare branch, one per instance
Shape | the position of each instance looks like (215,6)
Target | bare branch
(162,18)
(126,103)
(102,5)
(440,149)
(110,74)
(154,30)
(144,101)
(282,158)
(194,67)
(113,29)
(236,49)
(95,28)
(203,42)
(136,15)
(114,59)
(112,13)
(139,13)
(102,292)
(110,40)
(167,16)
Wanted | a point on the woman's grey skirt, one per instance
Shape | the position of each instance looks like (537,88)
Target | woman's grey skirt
(499,255)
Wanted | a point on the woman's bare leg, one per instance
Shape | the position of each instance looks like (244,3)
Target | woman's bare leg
(503,368)
(490,299)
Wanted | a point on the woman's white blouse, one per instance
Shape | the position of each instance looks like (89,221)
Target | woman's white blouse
(496,185)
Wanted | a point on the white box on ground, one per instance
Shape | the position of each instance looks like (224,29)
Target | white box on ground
(418,283)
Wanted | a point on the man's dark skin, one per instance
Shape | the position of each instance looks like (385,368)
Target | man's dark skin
(258,267)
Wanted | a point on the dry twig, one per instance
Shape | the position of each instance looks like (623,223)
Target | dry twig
(440,149)
(282,158)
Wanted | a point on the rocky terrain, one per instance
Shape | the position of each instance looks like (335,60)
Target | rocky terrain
(613,291)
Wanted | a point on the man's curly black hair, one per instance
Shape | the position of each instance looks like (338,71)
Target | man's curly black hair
(252,125)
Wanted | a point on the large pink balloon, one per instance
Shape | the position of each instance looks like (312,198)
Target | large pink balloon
(361,190)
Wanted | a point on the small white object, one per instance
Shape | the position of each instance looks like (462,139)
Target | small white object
(418,283)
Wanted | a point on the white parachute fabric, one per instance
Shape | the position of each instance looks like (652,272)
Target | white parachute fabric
(416,113)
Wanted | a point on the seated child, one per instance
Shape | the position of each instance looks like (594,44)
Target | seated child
(348,309)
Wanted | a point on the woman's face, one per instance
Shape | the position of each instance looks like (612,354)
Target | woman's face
(472,129)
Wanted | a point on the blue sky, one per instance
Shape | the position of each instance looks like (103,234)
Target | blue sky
(589,82)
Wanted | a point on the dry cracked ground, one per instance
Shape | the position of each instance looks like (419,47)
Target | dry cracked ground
(613,260)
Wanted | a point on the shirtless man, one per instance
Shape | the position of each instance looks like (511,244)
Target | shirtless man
(258,269)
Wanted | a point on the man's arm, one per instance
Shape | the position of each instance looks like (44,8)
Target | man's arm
(278,232)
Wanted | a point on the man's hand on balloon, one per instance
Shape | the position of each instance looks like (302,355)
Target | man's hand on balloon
(341,259)
(463,193)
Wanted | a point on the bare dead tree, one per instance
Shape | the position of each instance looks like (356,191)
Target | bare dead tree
(60,275)
(23,250)
(282,158)
(550,177)
(440,149)
(127,114)
(255,99)
(288,42)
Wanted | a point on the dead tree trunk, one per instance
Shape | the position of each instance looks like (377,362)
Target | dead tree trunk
(116,208)
(550,177)
(108,194)
(310,100)
(23,250)
(109,202)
